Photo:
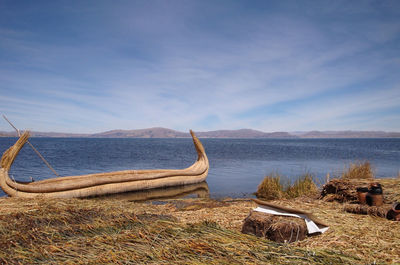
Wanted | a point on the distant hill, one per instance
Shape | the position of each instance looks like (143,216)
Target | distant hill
(243,133)
(6,134)
(348,134)
(55,134)
(158,132)
(168,133)
(45,134)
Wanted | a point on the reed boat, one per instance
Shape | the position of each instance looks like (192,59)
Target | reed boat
(100,183)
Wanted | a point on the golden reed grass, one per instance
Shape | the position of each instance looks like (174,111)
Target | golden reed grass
(271,187)
(359,170)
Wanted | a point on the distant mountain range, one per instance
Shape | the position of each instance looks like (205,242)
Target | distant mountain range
(158,132)
(347,134)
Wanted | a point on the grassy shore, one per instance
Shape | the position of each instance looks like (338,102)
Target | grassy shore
(190,231)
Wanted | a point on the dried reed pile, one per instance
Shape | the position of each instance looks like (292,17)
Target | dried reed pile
(391,189)
(72,231)
(344,190)
(282,229)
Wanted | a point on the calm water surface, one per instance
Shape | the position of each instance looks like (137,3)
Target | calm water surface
(237,166)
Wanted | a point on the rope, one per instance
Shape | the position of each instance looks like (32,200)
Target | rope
(44,160)
(16,189)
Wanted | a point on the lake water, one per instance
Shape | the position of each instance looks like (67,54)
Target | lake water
(237,166)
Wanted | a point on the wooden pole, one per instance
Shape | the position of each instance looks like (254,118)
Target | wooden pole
(34,149)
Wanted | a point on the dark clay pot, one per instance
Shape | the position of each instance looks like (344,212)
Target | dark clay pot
(374,199)
(394,213)
(375,195)
(375,188)
(396,207)
(396,210)
(362,194)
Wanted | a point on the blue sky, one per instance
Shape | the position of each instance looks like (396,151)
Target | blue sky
(91,66)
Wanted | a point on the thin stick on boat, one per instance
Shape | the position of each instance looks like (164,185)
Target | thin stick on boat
(34,149)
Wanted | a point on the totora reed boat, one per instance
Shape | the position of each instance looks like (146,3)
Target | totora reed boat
(100,183)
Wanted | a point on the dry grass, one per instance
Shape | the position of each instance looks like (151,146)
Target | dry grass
(359,170)
(189,231)
(372,239)
(118,232)
(271,188)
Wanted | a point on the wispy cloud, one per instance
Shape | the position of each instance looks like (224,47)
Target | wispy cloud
(201,65)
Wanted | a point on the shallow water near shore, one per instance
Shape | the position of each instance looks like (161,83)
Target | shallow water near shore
(237,166)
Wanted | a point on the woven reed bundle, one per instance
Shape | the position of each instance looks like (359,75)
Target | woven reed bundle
(369,210)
